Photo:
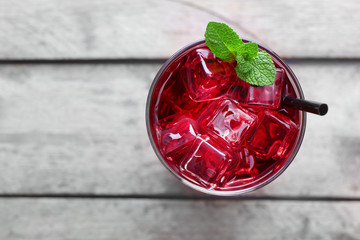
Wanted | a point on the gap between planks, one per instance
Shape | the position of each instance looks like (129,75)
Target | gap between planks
(182,197)
(155,61)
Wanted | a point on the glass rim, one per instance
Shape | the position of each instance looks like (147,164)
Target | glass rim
(261,184)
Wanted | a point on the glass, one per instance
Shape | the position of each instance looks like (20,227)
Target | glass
(216,133)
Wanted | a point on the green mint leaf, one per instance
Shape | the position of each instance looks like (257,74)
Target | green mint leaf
(249,50)
(243,65)
(222,41)
(252,66)
(262,72)
(244,56)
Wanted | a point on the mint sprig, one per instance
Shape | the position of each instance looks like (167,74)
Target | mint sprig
(223,40)
(259,70)
(252,66)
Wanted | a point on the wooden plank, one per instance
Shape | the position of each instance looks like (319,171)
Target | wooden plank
(81,129)
(159,219)
(93,29)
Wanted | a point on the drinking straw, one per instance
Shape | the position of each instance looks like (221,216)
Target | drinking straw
(305,105)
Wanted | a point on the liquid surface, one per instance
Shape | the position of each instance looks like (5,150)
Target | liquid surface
(217,131)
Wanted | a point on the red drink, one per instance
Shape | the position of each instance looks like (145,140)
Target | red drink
(217,133)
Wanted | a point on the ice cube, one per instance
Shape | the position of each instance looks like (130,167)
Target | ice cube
(176,134)
(264,96)
(206,162)
(226,119)
(273,136)
(243,170)
(207,77)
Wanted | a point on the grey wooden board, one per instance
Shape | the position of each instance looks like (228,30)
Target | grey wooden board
(81,129)
(52,29)
(37,219)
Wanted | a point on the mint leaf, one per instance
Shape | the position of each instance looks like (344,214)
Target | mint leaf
(222,41)
(249,50)
(244,55)
(252,66)
(262,72)
(243,65)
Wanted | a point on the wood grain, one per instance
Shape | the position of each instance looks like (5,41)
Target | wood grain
(158,219)
(81,129)
(94,29)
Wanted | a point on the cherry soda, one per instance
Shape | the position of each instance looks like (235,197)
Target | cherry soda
(217,133)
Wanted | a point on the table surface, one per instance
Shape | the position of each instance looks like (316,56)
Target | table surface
(76,162)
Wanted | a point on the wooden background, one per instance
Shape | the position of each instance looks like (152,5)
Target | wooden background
(75,158)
